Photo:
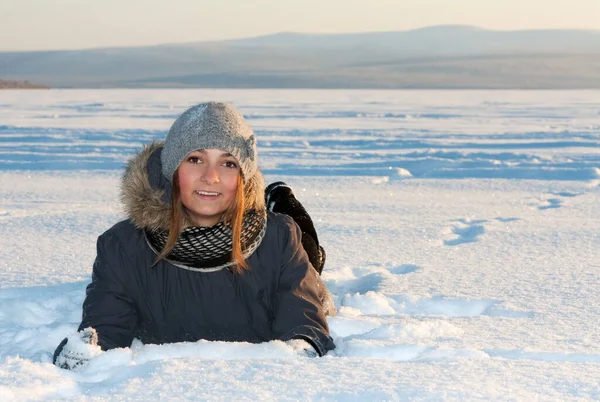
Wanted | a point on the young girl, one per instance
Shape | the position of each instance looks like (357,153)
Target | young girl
(199,256)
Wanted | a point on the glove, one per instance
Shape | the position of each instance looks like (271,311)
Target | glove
(302,348)
(77,350)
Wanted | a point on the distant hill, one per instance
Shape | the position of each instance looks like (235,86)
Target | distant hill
(434,57)
(20,85)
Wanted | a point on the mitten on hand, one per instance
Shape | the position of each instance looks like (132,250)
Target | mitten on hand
(78,349)
(302,348)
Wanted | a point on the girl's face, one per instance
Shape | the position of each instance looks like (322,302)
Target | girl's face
(208,182)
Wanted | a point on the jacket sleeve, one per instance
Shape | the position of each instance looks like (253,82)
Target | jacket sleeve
(108,306)
(298,311)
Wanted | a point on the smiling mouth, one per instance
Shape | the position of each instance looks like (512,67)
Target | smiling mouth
(207,193)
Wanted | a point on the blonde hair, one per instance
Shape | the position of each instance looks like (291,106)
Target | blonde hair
(233,216)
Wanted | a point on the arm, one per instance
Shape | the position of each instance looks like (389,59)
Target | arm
(108,308)
(298,309)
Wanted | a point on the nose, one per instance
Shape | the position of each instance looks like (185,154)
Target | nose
(210,175)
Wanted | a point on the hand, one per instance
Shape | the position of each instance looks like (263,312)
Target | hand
(79,349)
(302,348)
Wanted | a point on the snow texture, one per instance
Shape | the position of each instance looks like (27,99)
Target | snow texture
(461,229)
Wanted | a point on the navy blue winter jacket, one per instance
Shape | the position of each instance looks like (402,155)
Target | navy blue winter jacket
(278,298)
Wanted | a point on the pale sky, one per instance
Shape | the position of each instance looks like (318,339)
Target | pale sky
(81,24)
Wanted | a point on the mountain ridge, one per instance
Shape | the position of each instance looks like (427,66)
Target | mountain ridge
(437,56)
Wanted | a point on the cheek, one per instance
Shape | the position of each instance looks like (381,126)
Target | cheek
(231,185)
(183,181)
(186,178)
(233,188)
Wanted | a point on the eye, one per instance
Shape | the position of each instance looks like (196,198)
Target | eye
(230,164)
(194,160)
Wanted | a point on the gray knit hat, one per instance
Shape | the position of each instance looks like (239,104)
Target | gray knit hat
(210,125)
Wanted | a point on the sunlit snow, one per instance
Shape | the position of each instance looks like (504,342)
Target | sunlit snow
(462,233)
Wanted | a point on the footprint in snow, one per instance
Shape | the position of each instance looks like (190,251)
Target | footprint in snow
(506,220)
(465,231)
(555,200)
(404,269)
(550,203)
(566,194)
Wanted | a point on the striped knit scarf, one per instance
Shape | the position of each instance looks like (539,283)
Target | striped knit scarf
(209,249)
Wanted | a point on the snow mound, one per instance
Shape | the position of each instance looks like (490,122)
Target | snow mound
(400,172)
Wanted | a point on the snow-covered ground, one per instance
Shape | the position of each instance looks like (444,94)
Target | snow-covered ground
(462,232)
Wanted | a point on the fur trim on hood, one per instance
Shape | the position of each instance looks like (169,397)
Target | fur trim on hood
(146,193)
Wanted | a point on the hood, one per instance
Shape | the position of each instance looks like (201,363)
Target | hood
(146,193)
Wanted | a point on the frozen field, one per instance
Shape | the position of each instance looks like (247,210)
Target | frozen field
(462,231)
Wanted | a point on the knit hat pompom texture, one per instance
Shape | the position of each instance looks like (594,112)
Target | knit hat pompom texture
(210,125)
